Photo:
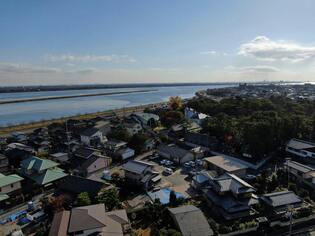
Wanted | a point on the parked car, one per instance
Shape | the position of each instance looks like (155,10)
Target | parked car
(163,162)
(187,165)
(169,163)
(199,162)
(168,171)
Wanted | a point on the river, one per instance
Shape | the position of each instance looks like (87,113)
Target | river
(18,113)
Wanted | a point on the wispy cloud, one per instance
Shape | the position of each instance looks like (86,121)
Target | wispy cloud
(6,67)
(89,58)
(213,52)
(252,69)
(263,48)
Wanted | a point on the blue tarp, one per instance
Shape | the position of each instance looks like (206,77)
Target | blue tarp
(164,195)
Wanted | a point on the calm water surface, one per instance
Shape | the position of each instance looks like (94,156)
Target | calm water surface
(17,113)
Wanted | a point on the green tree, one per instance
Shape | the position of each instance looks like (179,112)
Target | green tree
(110,198)
(137,142)
(83,199)
(173,199)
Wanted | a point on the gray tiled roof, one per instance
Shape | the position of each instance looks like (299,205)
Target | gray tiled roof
(281,198)
(191,221)
(300,167)
(300,144)
(136,166)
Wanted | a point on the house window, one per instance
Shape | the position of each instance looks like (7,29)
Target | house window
(12,185)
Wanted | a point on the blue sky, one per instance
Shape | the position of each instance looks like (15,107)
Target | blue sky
(116,41)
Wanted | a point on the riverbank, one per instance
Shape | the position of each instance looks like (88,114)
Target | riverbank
(5,131)
(73,96)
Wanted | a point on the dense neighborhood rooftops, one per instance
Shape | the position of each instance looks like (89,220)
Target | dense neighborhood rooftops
(9,179)
(300,144)
(191,221)
(300,167)
(136,166)
(226,163)
(282,198)
(38,164)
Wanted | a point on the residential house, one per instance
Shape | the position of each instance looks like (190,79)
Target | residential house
(42,171)
(301,173)
(10,185)
(202,179)
(93,164)
(145,119)
(301,149)
(191,221)
(139,173)
(92,137)
(149,144)
(118,148)
(227,164)
(73,185)
(4,163)
(60,157)
(192,115)
(279,202)
(178,131)
(90,220)
(174,153)
(230,197)
(85,153)
(193,139)
(132,128)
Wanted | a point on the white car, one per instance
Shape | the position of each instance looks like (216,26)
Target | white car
(199,162)
(169,163)
(163,162)
(168,171)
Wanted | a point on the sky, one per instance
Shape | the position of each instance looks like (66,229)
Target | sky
(146,41)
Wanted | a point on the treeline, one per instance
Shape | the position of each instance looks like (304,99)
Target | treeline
(257,126)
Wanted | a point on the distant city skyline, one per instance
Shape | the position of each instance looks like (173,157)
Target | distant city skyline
(77,41)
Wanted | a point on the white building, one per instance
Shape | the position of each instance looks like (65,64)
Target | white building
(302,149)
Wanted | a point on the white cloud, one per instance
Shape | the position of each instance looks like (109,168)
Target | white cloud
(212,52)
(263,48)
(253,69)
(89,58)
(25,68)
(208,52)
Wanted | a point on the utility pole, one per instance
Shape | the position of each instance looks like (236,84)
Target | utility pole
(68,138)
(290,209)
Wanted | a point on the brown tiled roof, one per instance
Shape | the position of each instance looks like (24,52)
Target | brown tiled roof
(59,226)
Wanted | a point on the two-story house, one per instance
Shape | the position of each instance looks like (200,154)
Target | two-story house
(139,173)
(175,153)
(118,148)
(42,171)
(231,197)
(10,185)
(301,149)
(90,220)
(301,173)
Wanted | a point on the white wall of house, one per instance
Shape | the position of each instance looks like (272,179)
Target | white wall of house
(128,152)
(10,188)
(87,139)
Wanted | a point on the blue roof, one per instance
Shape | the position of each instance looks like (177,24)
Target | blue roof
(164,195)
